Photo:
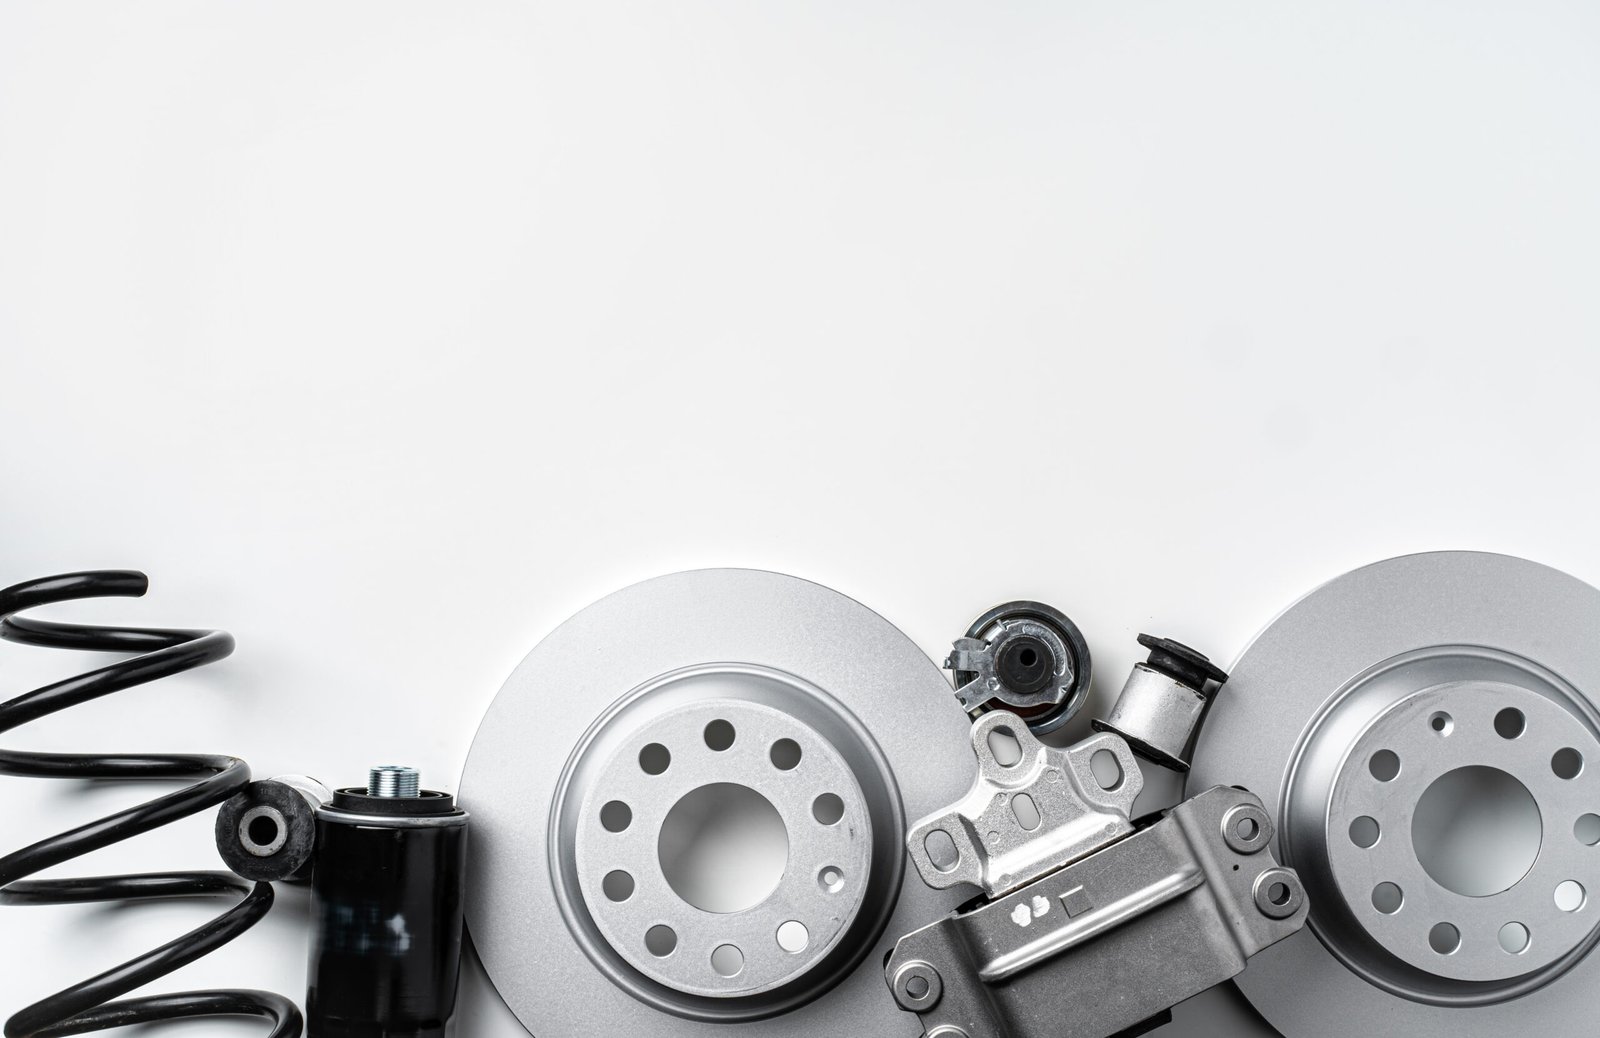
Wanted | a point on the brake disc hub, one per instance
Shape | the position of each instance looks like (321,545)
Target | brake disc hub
(691,823)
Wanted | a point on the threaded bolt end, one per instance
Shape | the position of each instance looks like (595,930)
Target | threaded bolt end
(394,780)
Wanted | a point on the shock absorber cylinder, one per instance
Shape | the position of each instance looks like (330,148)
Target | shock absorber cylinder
(387,902)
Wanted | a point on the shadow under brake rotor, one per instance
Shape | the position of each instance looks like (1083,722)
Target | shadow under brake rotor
(1425,732)
(690,802)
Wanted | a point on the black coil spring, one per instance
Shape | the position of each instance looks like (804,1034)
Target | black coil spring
(89,1006)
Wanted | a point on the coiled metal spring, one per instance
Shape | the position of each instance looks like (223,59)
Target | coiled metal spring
(90,1005)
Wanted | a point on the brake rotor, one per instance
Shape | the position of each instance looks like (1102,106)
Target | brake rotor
(689,805)
(1425,732)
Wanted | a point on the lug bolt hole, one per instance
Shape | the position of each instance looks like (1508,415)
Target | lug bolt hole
(785,755)
(793,937)
(727,960)
(618,886)
(1509,723)
(1514,938)
(1570,895)
(661,941)
(719,735)
(1364,832)
(827,809)
(655,759)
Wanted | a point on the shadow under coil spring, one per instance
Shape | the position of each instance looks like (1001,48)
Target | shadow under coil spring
(89,1006)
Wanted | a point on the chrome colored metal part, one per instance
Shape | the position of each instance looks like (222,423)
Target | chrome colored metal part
(728,701)
(1424,732)
(275,831)
(1107,943)
(1024,657)
(1163,702)
(1246,828)
(1032,809)
(393,780)
(1157,713)
(819,884)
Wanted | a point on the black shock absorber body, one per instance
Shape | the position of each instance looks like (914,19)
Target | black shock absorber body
(91,1005)
(387,908)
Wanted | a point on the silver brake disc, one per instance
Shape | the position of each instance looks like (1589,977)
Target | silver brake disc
(1424,731)
(689,805)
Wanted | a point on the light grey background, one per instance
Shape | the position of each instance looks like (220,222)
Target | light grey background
(386,335)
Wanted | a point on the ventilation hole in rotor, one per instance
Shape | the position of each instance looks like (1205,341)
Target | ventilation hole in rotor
(1514,938)
(661,941)
(655,759)
(793,937)
(831,878)
(1509,723)
(618,885)
(1442,723)
(1444,938)
(785,755)
(1004,747)
(1107,770)
(1387,898)
(1570,895)
(1364,832)
(942,850)
(1384,765)
(1567,763)
(1587,830)
(616,816)
(727,960)
(719,735)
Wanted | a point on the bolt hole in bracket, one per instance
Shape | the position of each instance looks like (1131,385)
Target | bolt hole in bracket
(1423,731)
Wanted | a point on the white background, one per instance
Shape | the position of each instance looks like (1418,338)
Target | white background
(387,335)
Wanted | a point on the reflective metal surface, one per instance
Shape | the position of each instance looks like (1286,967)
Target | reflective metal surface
(1424,734)
(690,803)
(1032,808)
(1112,941)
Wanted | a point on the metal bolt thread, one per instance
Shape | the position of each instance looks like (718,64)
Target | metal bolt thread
(394,780)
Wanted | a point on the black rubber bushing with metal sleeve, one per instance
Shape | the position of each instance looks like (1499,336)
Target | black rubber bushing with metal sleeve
(267,831)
